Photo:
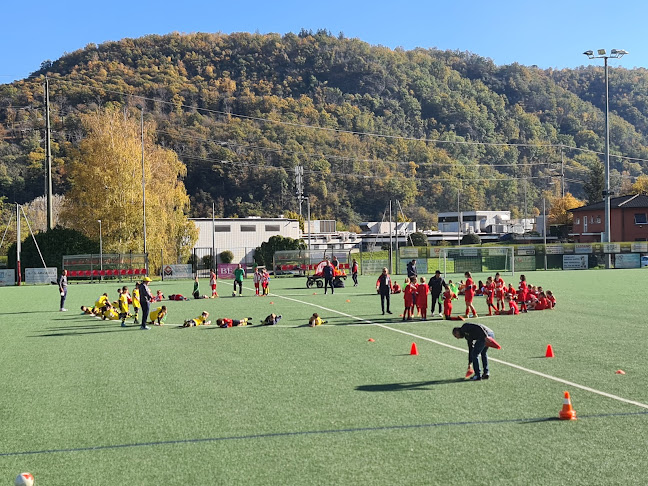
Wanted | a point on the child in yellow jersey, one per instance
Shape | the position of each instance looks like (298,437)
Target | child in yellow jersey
(102,301)
(158,315)
(110,313)
(123,305)
(90,311)
(136,303)
(201,320)
(316,320)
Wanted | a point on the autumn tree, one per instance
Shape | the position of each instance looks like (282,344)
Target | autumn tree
(641,185)
(559,209)
(106,185)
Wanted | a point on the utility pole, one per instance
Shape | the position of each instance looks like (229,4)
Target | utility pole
(143,183)
(390,237)
(299,182)
(525,204)
(18,246)
(213,264)
(48,158)
(562,172)
(458,221)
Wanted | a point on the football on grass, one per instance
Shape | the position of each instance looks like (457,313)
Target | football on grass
(24,479)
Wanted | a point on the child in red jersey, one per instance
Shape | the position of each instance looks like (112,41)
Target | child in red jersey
(265,282)
(499,291)
(523,292)
(489,291)
(422,292)
(481,289)
(409,296)
(469,294)
(511,291)
(227,322)
(257,281)
(541,303)
(448,295)
(551,298)
(513,307)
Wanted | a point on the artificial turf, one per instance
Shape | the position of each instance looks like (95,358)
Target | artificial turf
(85,401)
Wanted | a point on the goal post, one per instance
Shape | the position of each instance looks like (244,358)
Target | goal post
(479,260)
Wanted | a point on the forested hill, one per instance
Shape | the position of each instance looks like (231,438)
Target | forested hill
(367,123)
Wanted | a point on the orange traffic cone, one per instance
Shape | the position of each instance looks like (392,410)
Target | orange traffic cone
(414,351)
(549,353)
(567,412)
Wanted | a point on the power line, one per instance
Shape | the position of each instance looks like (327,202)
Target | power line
(337,130)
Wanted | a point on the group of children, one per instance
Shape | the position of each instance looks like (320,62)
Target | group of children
(499,296)
(261,279)
(119,310)
(104,309)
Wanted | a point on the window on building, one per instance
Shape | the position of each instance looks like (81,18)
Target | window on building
(640,239)
(248,227)
(640,218)
(222,229)
(448,219)
(577,221)
(598,219)
(272,227)
(327,226)
(592,219)
(467,219)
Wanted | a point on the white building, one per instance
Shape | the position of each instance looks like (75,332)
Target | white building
(384,227)
(475,222)
(242,235)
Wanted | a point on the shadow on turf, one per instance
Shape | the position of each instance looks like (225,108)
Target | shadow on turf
(27,312)
(61,334)
(414,385)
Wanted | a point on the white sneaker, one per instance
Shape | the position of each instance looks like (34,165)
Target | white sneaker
(62,310)
(145,328)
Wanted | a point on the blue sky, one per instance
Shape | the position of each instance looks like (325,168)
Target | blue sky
(548,33)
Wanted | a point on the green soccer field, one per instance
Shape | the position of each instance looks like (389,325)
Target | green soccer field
(85,401)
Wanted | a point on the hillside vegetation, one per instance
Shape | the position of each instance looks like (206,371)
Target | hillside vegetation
(367,123)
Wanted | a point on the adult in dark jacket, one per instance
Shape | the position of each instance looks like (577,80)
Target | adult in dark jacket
(145,301)
(436,289)
(475,335)
(411,269)
(384,288)
(327,273)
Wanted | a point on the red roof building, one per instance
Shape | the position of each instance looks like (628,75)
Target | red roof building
(628,220)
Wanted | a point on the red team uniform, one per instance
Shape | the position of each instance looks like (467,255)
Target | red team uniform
(409,296)
(448,295)
(422,292)
(513,308)
(499,291)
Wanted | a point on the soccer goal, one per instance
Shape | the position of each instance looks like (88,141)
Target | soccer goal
(477,260)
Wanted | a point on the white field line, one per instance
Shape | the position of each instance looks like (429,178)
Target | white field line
(512,365)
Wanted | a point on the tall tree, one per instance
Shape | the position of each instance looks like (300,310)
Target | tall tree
(560,206)
(595,183)
(106,185)
(641,185)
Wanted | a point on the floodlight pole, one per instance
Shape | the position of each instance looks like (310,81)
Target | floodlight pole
(141,108)
(614,54)
(100,250)
(18,247)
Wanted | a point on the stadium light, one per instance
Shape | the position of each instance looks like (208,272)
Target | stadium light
(614,54)
(141,108)
(100,248)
